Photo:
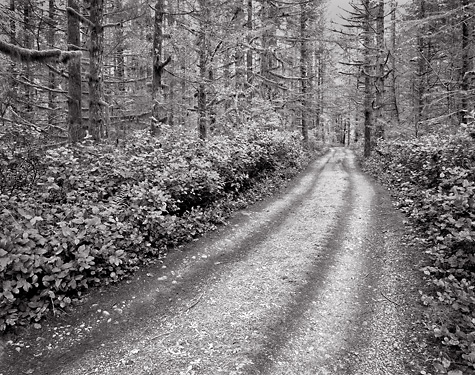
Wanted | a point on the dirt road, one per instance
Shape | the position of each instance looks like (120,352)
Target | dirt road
(316,281)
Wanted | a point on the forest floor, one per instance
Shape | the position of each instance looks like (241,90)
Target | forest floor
(320,279)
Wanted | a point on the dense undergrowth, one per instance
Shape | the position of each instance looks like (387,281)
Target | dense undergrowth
(433,180)
(75,217)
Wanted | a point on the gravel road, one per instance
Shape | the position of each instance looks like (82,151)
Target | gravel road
(318,280)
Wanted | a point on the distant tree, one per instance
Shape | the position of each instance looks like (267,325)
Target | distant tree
(364,35)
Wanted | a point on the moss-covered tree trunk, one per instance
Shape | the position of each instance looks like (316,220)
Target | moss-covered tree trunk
(368,92)
(27,43)
(466,62)
(419,85)
(269,14)
(380,73)
(249,54)
(51,75)
(203,70)
(304,66)
(159,112)
(393,88)
(13,83)
(96,117)
(75,128)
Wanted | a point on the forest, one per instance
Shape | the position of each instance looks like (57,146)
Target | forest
(130,127)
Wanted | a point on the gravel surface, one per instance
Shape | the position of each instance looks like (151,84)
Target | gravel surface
(317,281)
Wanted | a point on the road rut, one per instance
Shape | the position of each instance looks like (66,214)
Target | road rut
(317,281)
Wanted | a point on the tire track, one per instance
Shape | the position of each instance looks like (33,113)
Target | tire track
(323,329)
(222,333)
(295,287)
(187,273)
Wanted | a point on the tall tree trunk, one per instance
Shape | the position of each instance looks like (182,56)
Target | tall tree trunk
(304,64)
(13,22)
(268,43)
(380,74)
(227,81)
(249,54)
(368,110)
(421,72)
(119,40)
(240,81)
(184,100)
(51,74)
(159,112)
(319,70)
(395,105)
(28,44)
(75,128)
(13,40)
(466,62)
(96,116)
(203,70)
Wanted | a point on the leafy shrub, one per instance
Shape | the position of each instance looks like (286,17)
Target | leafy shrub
(20,163)
(96,213)
(433,180)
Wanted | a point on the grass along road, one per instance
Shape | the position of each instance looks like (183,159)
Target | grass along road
(318,281)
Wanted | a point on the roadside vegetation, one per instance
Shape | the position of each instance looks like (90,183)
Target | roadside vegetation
(433,181)
(75,217)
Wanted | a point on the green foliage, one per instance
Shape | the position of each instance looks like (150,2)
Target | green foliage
(95,213)
(434,183)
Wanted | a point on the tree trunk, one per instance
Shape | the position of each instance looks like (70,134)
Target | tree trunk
(379,83)
(51,75)
(268,43)
(13,40)
(421,72)
(12,22)
(75,128)
(184,100)
(466,62)
(249,54)
(240,62)
(368,110)
(28,44)
(119,40)
(203,69)
(320,68)
(96,116)
(395,106)
(304,63)
(159,112)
